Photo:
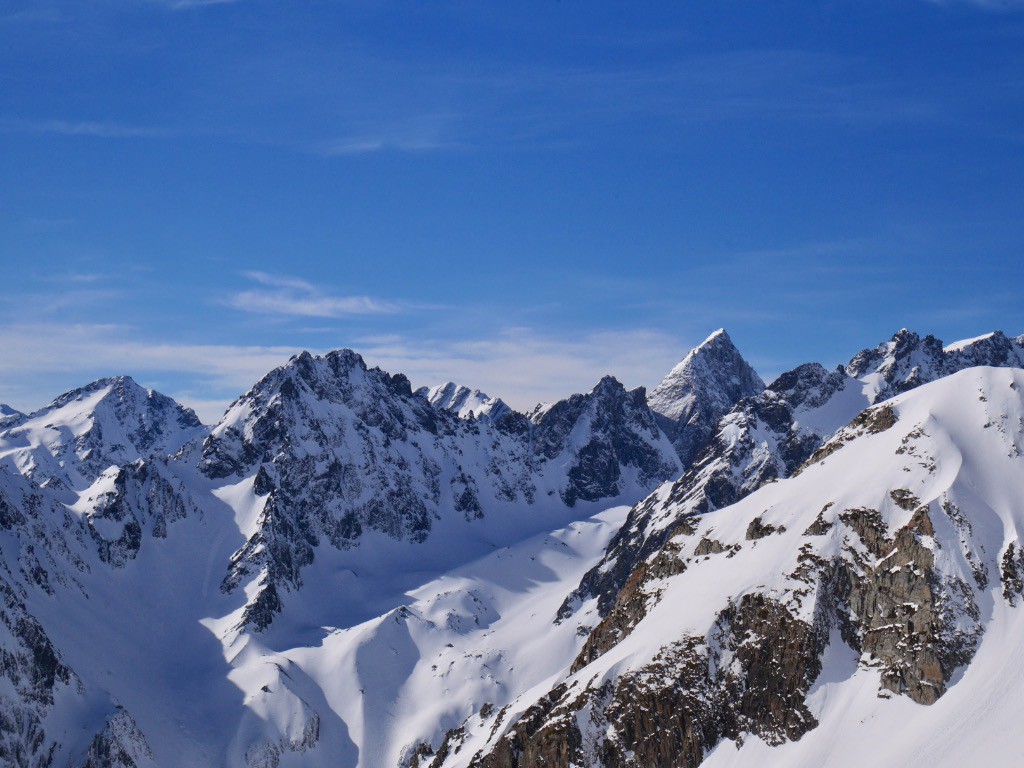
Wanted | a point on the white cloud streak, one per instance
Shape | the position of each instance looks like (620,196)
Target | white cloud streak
(87,128)
(45,357)
(299,298)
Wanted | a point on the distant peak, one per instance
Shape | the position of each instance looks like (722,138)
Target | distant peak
(608,382)
(905,336)
(711,378)
(463,401)
(346,358)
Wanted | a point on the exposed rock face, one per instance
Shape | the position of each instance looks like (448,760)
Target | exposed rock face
(750,675)
(598,437)
(904,615)
(119,745)
(338,450)
(133,501)
(700,390)
(32,673)
(773,434)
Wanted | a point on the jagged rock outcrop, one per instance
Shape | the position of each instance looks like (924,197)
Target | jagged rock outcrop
(465,402)
(133,501)
(770,436)
(599,438)
(119,745)
(695,394)
(33,674)
(908,360)
(336,451)
(749,676)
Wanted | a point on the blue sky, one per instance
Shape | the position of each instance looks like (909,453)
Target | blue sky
(519,197)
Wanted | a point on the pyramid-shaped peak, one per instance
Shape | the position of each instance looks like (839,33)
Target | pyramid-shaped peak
(721,336)
(714,372)
(608,383)
(709,381)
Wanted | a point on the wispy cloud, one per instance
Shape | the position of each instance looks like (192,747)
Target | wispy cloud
(988,5)
(520,365)
(299,298)
(43,357)
(36,14)
(413,134)
(88,128)
(364,145)
(183,5)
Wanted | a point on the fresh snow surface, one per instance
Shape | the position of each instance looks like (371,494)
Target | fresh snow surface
(956,346)
(465,402)
(958,441)
(82,433)
(160,635)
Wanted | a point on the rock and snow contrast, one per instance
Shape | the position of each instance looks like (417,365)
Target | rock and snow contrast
(696,393)
(465,402)
(347,572)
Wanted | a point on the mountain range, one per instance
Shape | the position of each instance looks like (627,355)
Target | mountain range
(345,571)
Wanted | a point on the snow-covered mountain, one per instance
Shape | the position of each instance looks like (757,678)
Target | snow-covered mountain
(767,437)
(83,432)
(465,402)
(325,454)
(695,394)
(808,623)
(346,572)
(9,416)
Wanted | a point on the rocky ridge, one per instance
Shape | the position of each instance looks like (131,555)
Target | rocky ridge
(465,402)
(888,547)
(769,436)
(335,451)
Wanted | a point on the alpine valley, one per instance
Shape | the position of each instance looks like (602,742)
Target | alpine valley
(345,571)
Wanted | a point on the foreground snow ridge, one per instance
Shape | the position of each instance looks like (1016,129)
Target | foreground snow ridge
(347,572)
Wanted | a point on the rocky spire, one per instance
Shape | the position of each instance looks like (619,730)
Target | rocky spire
(695,394)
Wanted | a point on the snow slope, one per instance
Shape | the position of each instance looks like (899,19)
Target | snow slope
(912,513)
(465,402)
